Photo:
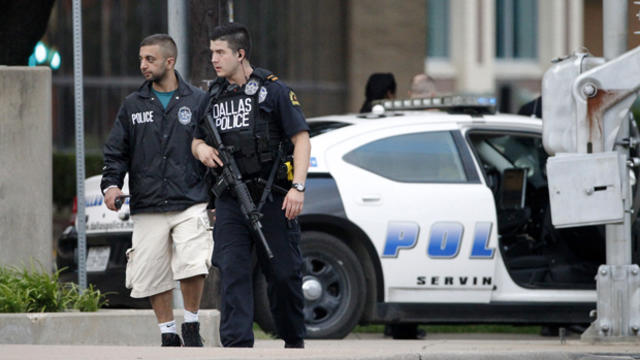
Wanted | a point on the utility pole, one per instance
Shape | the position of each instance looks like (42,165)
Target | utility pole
(79,124)
(177,12)
(586,103)
(177,23)
(618,282)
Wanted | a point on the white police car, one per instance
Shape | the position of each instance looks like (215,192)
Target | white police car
(413,216)
(416,216)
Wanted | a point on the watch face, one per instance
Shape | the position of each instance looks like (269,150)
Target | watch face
(298,187)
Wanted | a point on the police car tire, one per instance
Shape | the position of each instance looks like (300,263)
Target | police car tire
(322,247)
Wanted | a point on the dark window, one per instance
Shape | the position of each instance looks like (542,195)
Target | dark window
(513,151)
(421,157)
(438,29)
(321,127)
(516,29)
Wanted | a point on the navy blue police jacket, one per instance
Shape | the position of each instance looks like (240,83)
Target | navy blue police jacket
(279,106)
(153,144)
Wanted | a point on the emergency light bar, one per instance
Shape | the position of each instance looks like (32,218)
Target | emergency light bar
(450,103)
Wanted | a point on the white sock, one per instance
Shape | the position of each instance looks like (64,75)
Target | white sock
(190,317)
(168,327)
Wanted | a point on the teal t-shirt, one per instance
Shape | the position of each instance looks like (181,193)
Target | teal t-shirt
(164,97)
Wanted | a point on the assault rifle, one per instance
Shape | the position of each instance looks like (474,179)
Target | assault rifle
(230,176)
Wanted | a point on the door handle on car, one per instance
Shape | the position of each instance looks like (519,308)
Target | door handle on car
(370,198)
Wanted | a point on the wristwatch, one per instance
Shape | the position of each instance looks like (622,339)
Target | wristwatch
(298,186)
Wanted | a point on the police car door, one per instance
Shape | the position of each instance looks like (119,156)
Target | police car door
(417,194)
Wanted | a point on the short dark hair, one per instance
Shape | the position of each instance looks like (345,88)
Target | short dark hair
(236,35)
(169,48)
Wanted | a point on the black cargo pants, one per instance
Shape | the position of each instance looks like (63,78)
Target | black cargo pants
(232,255)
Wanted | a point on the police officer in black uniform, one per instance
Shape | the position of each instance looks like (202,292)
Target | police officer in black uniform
(260,118)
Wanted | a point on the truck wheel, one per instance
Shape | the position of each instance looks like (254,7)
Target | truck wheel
(333,286)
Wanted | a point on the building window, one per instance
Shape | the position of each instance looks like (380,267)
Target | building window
(516,29)
(438,28)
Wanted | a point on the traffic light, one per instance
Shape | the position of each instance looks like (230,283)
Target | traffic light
(42,54)
(55,60)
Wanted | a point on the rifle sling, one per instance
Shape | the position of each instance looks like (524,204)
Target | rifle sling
(272,176)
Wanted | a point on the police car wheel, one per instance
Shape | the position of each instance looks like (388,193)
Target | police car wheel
(333,286)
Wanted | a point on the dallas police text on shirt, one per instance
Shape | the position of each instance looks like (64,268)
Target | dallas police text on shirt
(233,113)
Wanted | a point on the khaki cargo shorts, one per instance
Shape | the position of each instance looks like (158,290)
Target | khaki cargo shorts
(167,247)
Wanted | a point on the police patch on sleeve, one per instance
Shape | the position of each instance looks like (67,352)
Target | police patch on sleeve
(263,94)
(184,115)
(251,87)
(293,98)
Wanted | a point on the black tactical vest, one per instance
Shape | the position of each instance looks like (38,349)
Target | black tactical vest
(242,126)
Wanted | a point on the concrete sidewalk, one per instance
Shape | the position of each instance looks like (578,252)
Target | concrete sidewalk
(437,346)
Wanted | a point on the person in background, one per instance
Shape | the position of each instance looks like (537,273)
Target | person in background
(379,86)
(422,86)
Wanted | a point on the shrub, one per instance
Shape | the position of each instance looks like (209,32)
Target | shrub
(36,290)
(89,300)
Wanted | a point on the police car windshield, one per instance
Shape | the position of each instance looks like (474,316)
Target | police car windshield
(321,127)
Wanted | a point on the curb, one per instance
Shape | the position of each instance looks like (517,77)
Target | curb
(105,327)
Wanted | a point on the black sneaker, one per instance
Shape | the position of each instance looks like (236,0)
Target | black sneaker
(295,345)
(171,339)
(191,334)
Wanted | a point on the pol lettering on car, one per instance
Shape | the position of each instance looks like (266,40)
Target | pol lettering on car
(400,235)
(481,236)
(445,239)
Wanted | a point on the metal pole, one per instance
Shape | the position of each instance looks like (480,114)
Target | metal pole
(616,278)
(79,123)
(230,11)
(617,282)
(614,28)
(614,35)
(177,24)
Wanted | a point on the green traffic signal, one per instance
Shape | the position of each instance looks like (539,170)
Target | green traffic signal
(55,60)
(40,51)
(41,54)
